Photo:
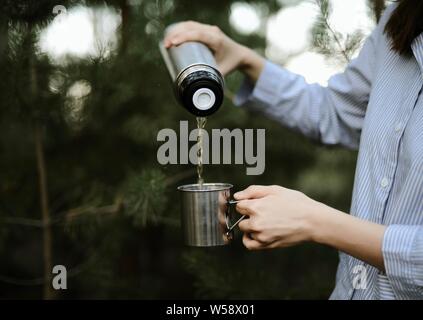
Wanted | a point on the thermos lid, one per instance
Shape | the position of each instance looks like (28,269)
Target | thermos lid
(204,99)
(201,90)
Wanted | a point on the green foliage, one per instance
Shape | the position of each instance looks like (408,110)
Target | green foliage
(145,196)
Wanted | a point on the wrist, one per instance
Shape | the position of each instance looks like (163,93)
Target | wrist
(245,54)
(251,63)
(319,222)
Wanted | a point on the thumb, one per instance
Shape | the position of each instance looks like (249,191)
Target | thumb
(253,192)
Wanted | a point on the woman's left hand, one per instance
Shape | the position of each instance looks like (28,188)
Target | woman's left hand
(278,217)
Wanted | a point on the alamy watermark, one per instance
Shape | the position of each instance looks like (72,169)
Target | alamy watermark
(249,147)
(60,280)
(360,277)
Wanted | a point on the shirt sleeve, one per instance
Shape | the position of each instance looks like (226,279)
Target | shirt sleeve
(402,250)
(332,114)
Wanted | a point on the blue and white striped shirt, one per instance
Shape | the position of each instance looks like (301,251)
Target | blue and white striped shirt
(376,105)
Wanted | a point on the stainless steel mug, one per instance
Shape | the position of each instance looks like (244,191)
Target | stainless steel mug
(198,84)
(206,214)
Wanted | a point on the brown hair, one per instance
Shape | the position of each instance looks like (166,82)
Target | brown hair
(405,24)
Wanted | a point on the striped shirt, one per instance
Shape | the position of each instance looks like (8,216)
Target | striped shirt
(375,106)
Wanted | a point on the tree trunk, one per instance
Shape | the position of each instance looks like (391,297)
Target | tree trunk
(48,292)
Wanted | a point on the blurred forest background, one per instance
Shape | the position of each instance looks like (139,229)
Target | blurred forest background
(80,185)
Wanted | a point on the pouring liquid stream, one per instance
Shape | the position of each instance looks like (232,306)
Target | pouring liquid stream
(201,123)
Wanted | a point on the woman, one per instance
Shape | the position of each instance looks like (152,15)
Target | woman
(376,105)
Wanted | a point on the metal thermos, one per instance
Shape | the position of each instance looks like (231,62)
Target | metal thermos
(198,84)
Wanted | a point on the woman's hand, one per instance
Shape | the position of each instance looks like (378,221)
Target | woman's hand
(278,217)
(229,54)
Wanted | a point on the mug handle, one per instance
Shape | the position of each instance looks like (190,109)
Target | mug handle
(229,231)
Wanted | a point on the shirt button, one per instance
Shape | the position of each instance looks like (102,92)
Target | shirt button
(398,127)
(384,183)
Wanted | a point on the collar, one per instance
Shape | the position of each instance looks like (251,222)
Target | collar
(417,47)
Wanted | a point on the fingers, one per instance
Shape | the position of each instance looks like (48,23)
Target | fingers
(191,31)
(253,238)
(254,192)
(193,35)
(251,244)
(245,226)
(174,30)
(245,207)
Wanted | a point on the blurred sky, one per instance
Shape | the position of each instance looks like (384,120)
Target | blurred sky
(83,32)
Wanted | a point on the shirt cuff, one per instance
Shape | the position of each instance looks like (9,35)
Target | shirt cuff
(265,91)
(403,258)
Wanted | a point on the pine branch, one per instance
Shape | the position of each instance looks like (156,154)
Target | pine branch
(82,211)
(38,223)
(76,213)
(323,6)
(64,217)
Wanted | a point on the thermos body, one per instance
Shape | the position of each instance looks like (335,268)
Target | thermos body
(198,84)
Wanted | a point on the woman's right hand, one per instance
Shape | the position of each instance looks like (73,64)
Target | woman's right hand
(229,54)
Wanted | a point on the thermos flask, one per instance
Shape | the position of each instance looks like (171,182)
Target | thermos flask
(198,84)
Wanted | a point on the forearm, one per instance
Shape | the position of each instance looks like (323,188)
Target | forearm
(321,113)
(359,238)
